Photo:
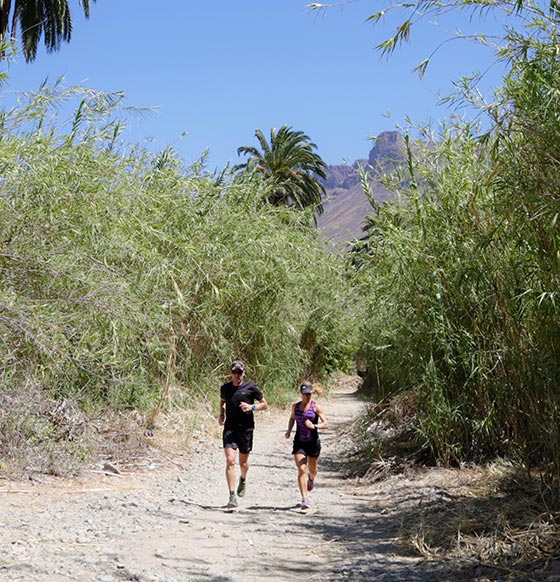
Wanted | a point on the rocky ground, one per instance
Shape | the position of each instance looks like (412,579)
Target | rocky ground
(169,522)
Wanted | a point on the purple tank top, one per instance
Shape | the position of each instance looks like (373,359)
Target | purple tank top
(302,432)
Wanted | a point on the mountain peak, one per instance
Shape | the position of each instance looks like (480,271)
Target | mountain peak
(389,148)
(345,204)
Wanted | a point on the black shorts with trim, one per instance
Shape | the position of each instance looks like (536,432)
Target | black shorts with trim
(238,439)
(307,448)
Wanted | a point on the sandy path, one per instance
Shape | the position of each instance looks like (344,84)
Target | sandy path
(172,525)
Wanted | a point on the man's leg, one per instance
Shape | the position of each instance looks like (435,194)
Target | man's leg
(244,467)
(230,468)
(245,446)
(243,464)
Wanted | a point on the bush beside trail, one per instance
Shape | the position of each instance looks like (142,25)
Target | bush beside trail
(127,278)
(460,276)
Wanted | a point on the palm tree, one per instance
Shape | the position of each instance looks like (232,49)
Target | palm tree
(291,165)
(35,18)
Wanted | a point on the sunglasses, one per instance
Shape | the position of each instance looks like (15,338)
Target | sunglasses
(237,371)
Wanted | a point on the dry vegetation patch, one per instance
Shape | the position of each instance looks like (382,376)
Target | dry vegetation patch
(494,516)
(498,515)
(40,435)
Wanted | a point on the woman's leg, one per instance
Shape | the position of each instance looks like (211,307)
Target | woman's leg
(312,466)
(301,464)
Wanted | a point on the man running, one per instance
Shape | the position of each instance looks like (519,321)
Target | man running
(239,400)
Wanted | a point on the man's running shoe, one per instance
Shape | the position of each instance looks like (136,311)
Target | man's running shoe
(232,501)
(241,488)
(310,483)
(305,504)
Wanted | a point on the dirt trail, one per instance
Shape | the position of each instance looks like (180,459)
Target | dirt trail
(172,525)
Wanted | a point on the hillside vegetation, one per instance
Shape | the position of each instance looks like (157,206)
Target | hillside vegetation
(460,275)
(124,273)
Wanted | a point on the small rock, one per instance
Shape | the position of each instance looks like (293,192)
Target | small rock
(110,468)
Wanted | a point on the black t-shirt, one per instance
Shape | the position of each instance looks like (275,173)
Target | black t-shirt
(233,396)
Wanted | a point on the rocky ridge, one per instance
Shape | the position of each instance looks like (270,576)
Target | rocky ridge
(346,206)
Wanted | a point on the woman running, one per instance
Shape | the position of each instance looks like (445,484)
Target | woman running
(308,416)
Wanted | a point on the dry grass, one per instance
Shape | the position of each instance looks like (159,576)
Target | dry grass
(43,436)
(387,437)
(498,516)
(40,435)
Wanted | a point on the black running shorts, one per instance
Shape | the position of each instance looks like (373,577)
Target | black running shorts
(241,440)
(307,448)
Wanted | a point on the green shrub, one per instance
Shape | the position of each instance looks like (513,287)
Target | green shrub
(122,271)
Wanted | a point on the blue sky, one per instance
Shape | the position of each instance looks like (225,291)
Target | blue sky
(219,70)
